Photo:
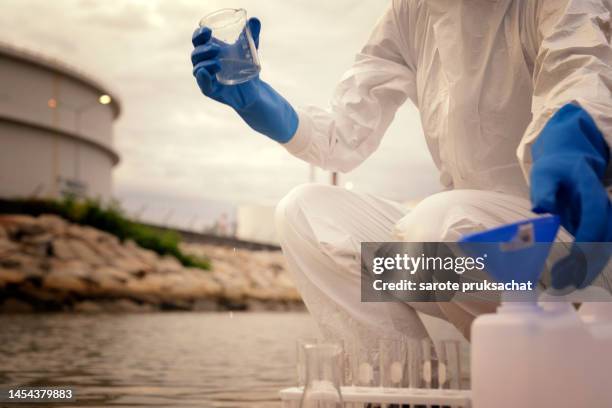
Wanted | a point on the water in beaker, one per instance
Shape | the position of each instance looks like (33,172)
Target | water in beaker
(238,55)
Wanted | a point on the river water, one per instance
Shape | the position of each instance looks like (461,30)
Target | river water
(157,359)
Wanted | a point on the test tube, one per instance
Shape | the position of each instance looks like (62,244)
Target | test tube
(300,358)
(422,364)
(393,359)
(366,362)
(449,365)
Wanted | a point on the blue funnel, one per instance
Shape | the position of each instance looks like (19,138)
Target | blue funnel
(515,251)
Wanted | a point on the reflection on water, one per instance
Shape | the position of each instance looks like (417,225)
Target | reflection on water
(162,359)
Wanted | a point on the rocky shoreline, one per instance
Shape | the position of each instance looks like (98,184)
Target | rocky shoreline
(49,264)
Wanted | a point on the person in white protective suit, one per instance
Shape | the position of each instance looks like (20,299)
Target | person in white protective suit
(488,77)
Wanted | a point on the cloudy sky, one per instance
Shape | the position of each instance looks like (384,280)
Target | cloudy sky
(189,158)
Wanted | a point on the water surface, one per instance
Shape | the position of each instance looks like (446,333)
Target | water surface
(155,360)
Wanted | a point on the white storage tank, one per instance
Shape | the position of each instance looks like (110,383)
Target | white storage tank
(56,129)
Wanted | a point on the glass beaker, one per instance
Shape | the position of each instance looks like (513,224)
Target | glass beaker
(300,358)
(323,376)
(238,55)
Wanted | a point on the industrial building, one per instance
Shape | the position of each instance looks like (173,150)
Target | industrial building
(56,129)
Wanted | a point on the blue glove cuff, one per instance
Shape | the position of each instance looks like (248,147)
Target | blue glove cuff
(270,114)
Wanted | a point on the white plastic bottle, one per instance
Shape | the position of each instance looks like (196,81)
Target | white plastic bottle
(597,317)
(543,355)
(523,356)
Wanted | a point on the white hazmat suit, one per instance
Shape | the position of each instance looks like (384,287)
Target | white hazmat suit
(486,75)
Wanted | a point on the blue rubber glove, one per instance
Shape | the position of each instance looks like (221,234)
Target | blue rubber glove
(570,158)
(260,106)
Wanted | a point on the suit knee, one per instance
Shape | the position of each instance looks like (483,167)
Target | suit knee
(441,217)
(289,214)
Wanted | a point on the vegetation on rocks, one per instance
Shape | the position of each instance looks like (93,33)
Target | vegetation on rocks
(50,264)
(110,219)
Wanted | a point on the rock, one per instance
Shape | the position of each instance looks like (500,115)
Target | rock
(93,235)
(116,306)
(296,306)
(100,242)
(84,252)
(189,284)
(7,247)
(61,249)
(292,295)
(12,305)
(33,290)
(182,286)
(260,278)
(152,288)
(147,256)
(108,280)
(43,238)
(19,225)
(132,265)
(205,305)
(205,283)
(52,262)
(234,284)
(108,238)
(37,245)
(68,276)
(106,250)
(87,306)
(8,276)
(130,245)
(126,306)
(283,280)
(256,305)
(83,233)
(112,273)
(26,264)
(261,275)
(276,267)
(53,224)
(168,264)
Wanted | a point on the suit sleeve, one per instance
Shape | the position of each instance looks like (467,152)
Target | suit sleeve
(365,101)
(573,65)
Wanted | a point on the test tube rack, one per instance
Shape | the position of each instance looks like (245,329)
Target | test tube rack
(359,396)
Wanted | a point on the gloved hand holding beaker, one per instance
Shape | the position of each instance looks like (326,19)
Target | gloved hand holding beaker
(226,67)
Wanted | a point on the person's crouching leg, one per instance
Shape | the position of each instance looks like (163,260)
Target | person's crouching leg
(320,230)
